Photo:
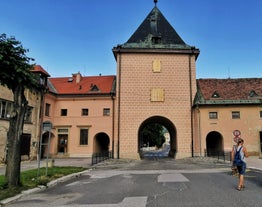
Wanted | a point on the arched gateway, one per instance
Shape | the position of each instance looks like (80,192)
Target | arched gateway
(166,124)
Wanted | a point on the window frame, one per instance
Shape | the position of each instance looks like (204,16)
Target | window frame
(84,112)
(106,111)
(213,115)
(5,108)
(28,114)
(47,109)
(63,112)
(83,141)
(235,114)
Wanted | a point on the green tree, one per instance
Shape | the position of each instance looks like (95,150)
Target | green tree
(154,134)
(15,74)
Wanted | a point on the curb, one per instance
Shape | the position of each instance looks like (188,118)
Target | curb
(255,168)
(42,187)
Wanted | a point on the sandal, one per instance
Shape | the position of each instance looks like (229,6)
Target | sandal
(239,188)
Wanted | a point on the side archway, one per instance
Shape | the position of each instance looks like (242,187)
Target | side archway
(101,142)
(214,143)
(168,126)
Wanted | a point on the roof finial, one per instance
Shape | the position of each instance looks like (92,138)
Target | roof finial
(155,1)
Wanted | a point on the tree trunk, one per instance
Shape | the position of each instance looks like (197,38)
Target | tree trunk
(14,137)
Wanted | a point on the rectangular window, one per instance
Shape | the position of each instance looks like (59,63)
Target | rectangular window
(83,136)
(62,131)
(106,112)
(212,115)
(260,114)
(235,115)
(63,112)
(84,112)
(5,109)
(28,114)
(47,109)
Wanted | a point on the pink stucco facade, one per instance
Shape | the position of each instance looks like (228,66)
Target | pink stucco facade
(68,127)
(135,107)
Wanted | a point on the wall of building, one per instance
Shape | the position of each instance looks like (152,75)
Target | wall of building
(31,128)
(135,81)
(95,122)
(249,124)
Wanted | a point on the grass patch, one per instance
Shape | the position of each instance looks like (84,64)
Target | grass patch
(29,179)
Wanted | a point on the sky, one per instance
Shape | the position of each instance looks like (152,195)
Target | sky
(70,36)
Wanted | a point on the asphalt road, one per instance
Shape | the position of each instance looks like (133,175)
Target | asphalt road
(148,183)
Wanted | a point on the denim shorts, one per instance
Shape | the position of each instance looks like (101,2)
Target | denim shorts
(242,169)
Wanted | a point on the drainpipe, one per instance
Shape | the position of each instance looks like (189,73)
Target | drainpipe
(118,112)
(113,123)
(199,129)
(191,109)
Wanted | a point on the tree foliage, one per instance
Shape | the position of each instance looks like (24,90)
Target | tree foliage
(15,65)
(153,135)
(16,74)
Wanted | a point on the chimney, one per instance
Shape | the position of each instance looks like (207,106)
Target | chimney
(78,77)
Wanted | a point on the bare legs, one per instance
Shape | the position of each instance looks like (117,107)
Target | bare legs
(241,182)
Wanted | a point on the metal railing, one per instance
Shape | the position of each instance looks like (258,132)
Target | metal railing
(101,156)
(220,155)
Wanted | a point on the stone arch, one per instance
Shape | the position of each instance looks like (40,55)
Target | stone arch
(168,125)
(214,143)
(101,142)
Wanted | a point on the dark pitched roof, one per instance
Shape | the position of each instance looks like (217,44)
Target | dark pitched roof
(155,26)
(229,91)
(155,32)
(87,85)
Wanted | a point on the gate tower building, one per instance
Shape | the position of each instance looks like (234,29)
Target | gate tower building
(156,83)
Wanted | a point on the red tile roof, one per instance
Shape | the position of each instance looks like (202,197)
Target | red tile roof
(38,68)
(69,85)
(230,89)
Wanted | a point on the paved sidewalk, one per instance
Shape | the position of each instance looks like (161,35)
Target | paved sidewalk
(253,162)
(77,162)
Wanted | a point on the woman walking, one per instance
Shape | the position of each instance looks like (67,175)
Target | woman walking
(238,155)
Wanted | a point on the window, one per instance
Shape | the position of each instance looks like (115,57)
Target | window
(106,112)
(28,114)
(215,95)
(156,39)
(63,112)
(260,114)
(47,109)
(235,115)
(84,112)
(5,109)
(62,131)
(212,115)
(83,136)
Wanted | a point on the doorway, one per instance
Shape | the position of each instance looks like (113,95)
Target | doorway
(25,144)
(214,144)
(102,142)
(62,143)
